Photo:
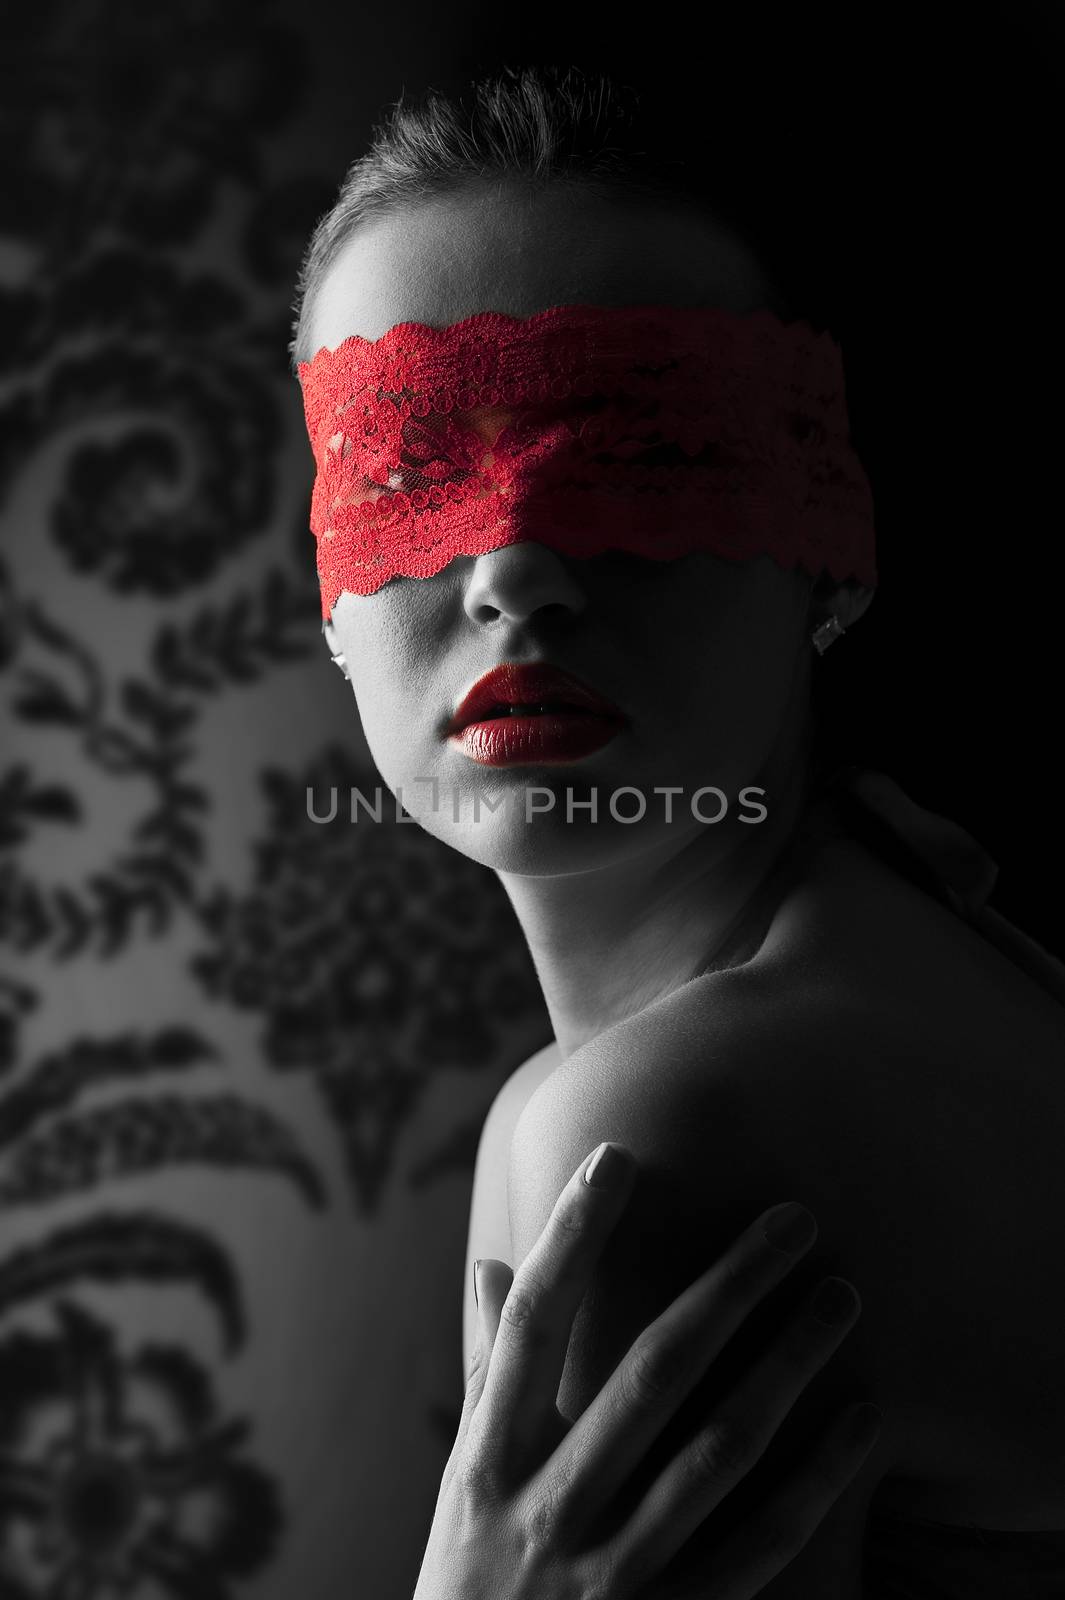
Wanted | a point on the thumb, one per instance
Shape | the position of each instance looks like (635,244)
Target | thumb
(492,1280)
(491,1285)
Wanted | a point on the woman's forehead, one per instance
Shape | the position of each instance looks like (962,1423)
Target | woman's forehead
(488,249)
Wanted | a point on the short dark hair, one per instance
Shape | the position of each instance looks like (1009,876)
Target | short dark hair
(550,125)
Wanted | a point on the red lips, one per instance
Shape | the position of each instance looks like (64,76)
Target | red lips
(560,718)
(529,685)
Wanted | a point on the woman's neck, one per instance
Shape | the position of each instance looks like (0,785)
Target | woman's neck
(608,942)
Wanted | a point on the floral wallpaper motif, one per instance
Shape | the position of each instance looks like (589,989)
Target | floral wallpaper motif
(120,1474)
(244,1055)
(332,945)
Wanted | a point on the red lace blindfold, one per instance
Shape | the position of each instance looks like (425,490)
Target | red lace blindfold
(653,429)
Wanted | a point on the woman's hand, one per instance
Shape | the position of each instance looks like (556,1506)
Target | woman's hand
(522,1487)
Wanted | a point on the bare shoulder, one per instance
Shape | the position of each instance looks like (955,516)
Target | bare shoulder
(489,1228)
(884,1065)
(873,938)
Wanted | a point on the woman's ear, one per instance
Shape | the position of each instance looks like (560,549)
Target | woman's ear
(849,601)
(331,639)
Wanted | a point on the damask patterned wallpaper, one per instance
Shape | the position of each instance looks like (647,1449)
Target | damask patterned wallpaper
(246,1055)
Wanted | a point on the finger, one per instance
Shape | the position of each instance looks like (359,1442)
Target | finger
(525,1370)
(770,1539)
(738,1433)
(491,1283)
(491,1280)
(666,1361)
(491,1286)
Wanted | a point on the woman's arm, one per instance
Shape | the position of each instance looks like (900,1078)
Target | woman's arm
(534,1509)
(703,1168)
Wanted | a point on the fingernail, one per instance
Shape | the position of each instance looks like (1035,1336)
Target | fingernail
(834,1302)
(606,1168)
(790,1228)
(476,1285)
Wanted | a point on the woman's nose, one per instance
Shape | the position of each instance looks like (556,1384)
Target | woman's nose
(512,583)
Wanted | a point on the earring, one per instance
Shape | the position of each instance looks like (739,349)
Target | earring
(338,661)
(827,634)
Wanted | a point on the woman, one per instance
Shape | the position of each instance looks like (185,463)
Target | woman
(750,1009)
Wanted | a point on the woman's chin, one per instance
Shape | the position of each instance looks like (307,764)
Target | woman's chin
(545,844)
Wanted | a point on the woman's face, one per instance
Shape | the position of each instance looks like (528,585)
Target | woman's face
(707,659)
